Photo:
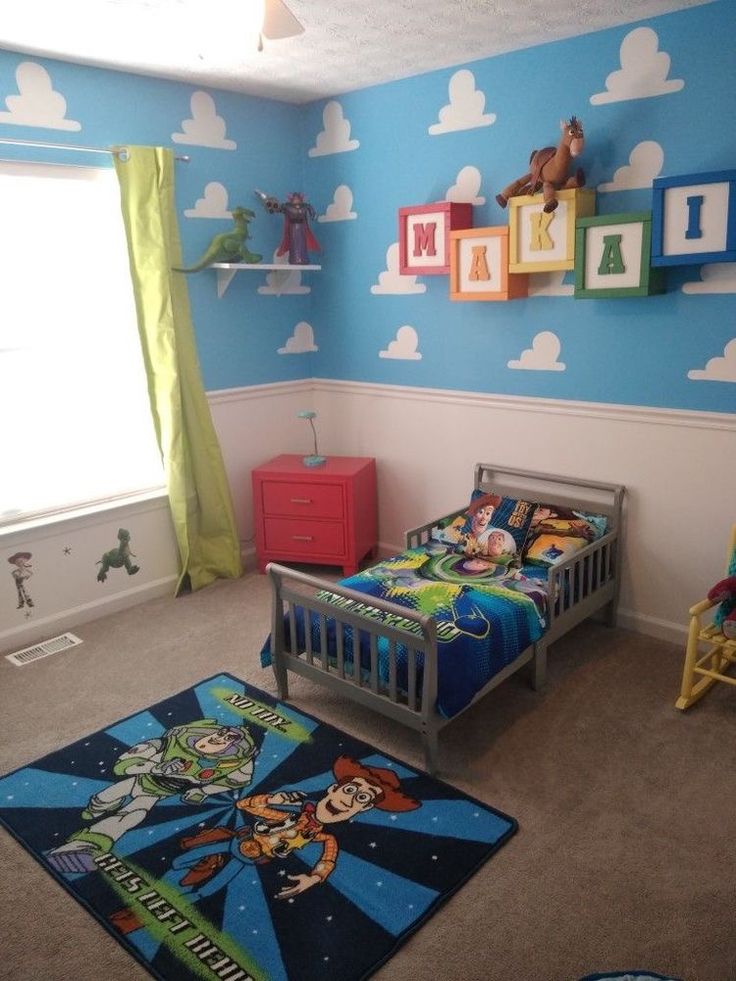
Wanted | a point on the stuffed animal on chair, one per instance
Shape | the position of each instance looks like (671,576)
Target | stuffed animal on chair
(724,592)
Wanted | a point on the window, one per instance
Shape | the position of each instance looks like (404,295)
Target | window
(76,421)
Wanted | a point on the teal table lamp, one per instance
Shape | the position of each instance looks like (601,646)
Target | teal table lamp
(315,460)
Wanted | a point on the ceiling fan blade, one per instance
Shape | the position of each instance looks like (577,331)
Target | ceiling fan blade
(278,21)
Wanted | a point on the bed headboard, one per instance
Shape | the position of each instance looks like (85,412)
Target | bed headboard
(574,492)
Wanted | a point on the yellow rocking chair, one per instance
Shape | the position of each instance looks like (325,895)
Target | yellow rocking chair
(709,653)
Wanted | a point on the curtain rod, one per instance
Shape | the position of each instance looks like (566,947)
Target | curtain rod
(72,146)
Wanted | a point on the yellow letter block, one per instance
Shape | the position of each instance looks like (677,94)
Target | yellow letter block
(540,242)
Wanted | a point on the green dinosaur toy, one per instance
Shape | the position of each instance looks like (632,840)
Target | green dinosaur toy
(228,246)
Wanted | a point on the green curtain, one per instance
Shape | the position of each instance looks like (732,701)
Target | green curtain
(199,493)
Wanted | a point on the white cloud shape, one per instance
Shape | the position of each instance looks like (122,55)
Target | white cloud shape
(341,207)
(212,205)
(205,128)
(643,72)
(645,163)
(465,109)
(301,341)
(542,355)
(335,137)
(288,281)
(404,347)
(721,369)
(37,104)
(391,280)
(549,284)
(466,187)
(718,277)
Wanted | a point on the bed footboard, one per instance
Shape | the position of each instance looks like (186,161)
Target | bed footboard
(351,643)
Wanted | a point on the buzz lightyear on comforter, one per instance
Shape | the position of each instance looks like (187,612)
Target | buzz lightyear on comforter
(485,618)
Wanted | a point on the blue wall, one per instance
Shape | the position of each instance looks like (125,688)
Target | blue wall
(634,351)
(238,336)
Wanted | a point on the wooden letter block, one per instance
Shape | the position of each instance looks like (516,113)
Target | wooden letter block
(694,219)
(542,242)
(612,257)
(424,236)
(479,266)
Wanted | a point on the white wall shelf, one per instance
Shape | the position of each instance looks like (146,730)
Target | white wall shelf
(226,271)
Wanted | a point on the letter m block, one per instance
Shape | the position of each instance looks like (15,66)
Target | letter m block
(424,236)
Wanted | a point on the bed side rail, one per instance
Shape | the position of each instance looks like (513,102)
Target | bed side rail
(416,537)
(371,673)
(582,584)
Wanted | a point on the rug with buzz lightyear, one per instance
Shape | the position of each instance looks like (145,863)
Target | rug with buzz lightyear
(221,834)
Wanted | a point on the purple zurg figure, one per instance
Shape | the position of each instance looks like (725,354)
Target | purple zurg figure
(298,237)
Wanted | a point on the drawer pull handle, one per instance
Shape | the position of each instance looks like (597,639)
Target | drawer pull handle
(303,538)
(301,500)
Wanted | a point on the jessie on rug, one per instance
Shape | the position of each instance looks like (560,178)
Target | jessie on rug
(223,834)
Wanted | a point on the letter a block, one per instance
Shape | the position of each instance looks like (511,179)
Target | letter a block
(694,219)
(424,236)
(612,257)
(542,242)
(479,266)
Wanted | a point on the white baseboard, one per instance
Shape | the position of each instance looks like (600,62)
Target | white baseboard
(34,631)
(675,633)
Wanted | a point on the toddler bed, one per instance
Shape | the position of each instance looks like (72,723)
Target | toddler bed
(478,594)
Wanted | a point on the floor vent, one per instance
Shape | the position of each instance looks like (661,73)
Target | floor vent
(52,646)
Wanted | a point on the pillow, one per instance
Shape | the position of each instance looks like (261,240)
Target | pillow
(493,527)
(558,532)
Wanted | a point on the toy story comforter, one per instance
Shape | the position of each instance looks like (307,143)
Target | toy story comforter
(485,618)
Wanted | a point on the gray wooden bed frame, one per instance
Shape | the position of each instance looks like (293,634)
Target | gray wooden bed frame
(584,584)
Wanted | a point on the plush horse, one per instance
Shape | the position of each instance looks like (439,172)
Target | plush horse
(549,168)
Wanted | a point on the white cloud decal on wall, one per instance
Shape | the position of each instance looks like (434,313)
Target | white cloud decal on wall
(643,72)
(404,347)
(645,163)
(301,341)
(718,277)
(212,205)
(466,187)
(335,137)
(391,280)
(542,355)
(37,104)
(341,207)
(279,283)
(465,109)
(549,284)
(721,369)
(205,128)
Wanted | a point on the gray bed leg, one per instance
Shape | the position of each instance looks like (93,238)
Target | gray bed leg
(539,665)
(430,746)
(282,677)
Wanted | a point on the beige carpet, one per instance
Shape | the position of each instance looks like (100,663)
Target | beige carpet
(627,808)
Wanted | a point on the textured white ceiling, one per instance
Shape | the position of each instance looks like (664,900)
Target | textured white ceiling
(346,45)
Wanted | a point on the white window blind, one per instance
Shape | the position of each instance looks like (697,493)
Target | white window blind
(76,423)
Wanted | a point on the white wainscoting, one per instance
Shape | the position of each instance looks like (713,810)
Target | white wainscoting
(679,468)
(65,553)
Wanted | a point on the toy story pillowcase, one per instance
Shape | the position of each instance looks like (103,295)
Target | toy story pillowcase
(492,531)
(557,533)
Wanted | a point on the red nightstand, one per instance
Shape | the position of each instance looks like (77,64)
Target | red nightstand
(324,515)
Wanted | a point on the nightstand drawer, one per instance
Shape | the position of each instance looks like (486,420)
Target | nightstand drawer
(310,500)
(304,537)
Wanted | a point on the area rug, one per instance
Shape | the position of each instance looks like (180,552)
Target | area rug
(221,834)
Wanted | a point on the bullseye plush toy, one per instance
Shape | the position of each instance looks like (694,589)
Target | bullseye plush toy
(724,592)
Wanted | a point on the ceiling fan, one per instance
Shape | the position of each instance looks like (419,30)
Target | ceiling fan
(278,22)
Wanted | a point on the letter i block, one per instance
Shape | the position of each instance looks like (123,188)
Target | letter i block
(612,257)
(542,242)
(479,266)
(424,236)
(694,219)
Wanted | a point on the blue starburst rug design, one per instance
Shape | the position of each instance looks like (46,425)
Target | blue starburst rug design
(221,834)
